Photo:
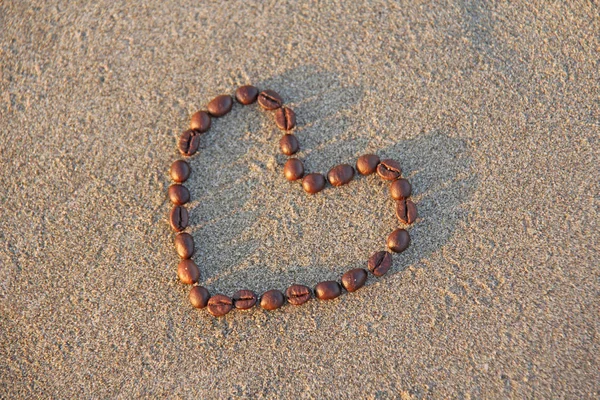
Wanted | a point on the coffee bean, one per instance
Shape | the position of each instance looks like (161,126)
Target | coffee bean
(400,189)
(293,169)
(246,94)
(269,100)
(298,294)
(200,121)
(285,118)
(188,272)
(313,183)
(398,240)
(289,144)
(179,218)
(406,211)
(272,299)
(179,194)
(380,263)
(328,290)
(220,105)
(367,164)
(180,171)
(219,305)
(389,170)
(199,296)
(244,299)
(354,279)
(189,141)
(340,174)
(184,245)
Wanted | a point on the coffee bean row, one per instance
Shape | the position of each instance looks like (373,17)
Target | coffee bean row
(285,118)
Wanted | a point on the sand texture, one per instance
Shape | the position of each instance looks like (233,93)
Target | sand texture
(492,109)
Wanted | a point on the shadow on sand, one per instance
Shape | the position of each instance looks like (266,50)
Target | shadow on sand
(255,230)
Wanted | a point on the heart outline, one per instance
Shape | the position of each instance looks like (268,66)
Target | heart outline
(339,175)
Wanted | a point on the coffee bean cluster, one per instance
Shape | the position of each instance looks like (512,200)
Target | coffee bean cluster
(378,264)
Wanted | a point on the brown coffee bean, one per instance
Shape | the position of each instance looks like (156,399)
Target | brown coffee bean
(298,294)
(289,144)
(327,290)
(246,94)
(219,305)
(272,299)
(398,240)
(200,121)
(270,100)
(313,183)
(244,299)
(220,105)
(406,211)
(400,189)
(293,169)
(285,118)
(354,279)
(188,272)
(179,194)
(199,296)
(180,171)
(340,174)
(367,164)
(184,245)
(380,263)
(189,142)
(389,169)
(179,218)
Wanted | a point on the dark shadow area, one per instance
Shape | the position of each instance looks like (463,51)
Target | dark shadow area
(255,230)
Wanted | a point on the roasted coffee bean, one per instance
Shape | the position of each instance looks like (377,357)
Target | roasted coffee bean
(180,171)
(327,290)
(246,94)
(200,121)
(188,272)
(199,296)
(220,105)
(293,169)
(289,144)
(389,170)
(219,305)
(179,194)
(184,245)
(285,118)
(298,294)
(406,211)
(398,240)
(269,100)
(179,218)
(380,263)
(400,189)
(313,183)
(272,299)
(189,141)
(354,279)
(244,299)
(367,164)
(340,174)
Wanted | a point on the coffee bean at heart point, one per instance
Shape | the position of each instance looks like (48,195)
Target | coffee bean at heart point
(379,263)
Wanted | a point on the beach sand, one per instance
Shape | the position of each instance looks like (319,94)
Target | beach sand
(493,111)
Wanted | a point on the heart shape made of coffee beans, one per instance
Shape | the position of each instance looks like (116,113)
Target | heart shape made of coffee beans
(378,263)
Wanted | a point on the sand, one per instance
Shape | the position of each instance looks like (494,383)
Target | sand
(492,109)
